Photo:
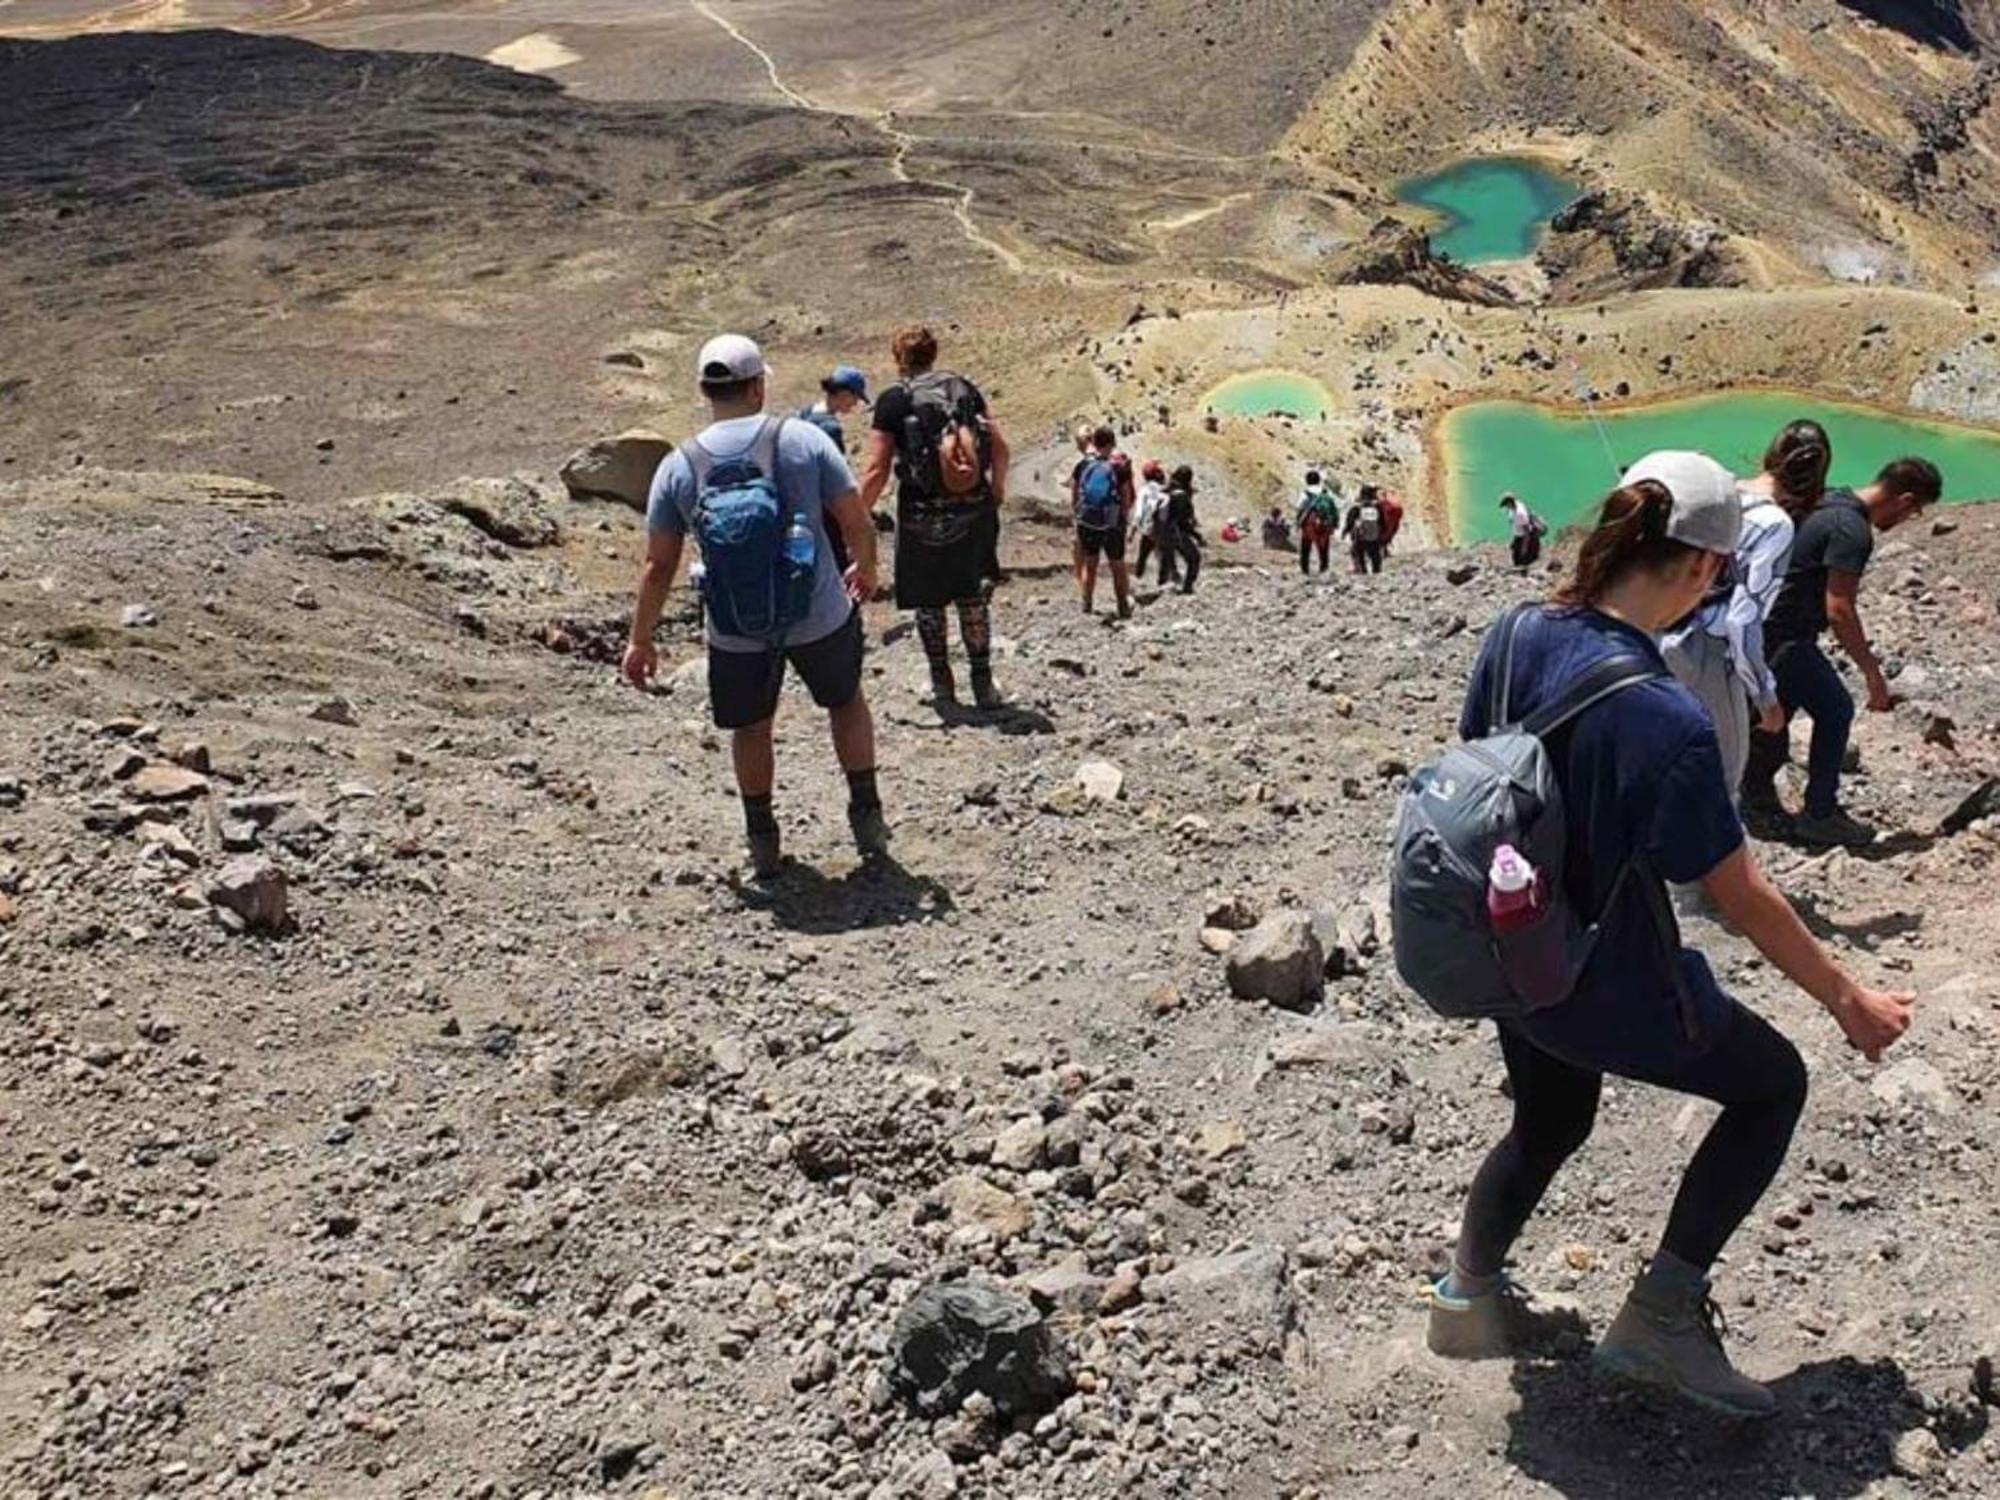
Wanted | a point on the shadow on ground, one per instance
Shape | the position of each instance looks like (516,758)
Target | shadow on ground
(879,893)
(1592,1438)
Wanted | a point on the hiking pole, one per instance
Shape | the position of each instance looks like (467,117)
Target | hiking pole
(1583,392)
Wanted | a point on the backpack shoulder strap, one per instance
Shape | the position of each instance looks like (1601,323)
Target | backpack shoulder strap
(1500,699)
(1605,680)
(699,461)
(764,447)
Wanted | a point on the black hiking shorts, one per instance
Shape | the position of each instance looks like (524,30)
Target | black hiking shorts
(743,686)
(1107,542)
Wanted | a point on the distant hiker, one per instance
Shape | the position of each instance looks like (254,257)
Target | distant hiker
(1718,652)
(1277,531)
(950,461)
(756,493)
(1085,431)
(1525,547)
(1101,497)
(1642,791)
(1365,528)
(1184,530)
(1319,520)
(1149,521)
(1822,587)
(1392,520)
(842,391)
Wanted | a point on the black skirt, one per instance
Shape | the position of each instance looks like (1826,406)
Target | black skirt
(944,560)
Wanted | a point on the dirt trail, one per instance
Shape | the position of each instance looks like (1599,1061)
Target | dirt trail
(965,197)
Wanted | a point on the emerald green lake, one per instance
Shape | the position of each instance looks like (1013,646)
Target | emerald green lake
(1557,460)
(1494,207)
(1270,393)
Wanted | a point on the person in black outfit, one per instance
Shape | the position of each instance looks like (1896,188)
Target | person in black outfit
(1822,587)
(1366,530)
(947,545)
(1183,531)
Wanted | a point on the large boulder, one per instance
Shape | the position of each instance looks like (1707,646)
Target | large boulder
(616,468)
(513,511)
(960,1337)
(1279,960)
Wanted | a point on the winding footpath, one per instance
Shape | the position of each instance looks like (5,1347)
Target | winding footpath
(963,196)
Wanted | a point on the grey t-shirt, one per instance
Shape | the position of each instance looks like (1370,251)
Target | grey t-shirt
(811,474)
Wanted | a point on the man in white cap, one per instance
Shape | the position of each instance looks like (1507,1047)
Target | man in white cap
(757,493)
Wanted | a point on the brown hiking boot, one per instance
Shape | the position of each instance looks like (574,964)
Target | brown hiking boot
(1671,1337)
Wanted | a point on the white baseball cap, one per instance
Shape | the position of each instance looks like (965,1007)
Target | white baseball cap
(729,357)
(1706,512)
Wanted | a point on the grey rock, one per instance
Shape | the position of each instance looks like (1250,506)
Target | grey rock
(252,889)
(138,617)
(1021,1146)
(1279,960)
(1247,1290)
(955,1338)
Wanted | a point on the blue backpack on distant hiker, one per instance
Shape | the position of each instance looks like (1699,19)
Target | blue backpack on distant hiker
(1097,497)
(758,555)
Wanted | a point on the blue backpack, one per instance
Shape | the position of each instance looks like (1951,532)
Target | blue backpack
(1097,504)
(758,555)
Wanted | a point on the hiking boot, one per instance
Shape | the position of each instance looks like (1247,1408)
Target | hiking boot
(766,854)
(1671,1337)
(871,831)
(984,691)
(1837,827)
(1488,1326)
(944,689)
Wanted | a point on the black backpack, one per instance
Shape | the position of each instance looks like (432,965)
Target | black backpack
(945,450)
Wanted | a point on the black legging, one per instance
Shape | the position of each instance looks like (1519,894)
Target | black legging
(1751,1071)
(1148,545)
(1367,556)
(1189,551)
(975,624)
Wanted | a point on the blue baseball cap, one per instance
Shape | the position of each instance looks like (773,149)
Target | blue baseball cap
(847,378)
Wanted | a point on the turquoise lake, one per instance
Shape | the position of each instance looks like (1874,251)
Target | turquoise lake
(1493,207)
(1562,465)
(1270,393)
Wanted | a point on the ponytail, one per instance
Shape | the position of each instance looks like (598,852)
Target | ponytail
(1797,461)
(1631,534)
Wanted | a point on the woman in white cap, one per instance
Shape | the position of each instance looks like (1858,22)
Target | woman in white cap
(1642,786)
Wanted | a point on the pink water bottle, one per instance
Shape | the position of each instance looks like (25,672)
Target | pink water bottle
(1515,895)
(1533,951)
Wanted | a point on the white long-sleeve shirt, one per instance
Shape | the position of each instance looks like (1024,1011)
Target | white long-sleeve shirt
(1761,556)
(1152,506)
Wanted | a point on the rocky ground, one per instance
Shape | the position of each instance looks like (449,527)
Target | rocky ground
(402,1094)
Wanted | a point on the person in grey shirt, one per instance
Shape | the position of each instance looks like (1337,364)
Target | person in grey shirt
(823,645)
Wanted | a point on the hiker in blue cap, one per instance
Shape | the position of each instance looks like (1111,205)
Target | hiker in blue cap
(843,391)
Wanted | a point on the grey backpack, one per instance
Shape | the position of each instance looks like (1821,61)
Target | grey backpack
(1457,810)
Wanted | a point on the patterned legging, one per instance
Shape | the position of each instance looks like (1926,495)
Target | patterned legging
(975,624)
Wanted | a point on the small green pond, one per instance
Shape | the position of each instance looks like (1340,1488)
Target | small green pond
(1493,207)
(1270,393)
(1558,461)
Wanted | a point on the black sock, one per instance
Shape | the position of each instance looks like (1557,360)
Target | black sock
(861,793)
(757,814)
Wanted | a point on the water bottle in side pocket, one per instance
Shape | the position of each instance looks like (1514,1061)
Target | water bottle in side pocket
(1528,935)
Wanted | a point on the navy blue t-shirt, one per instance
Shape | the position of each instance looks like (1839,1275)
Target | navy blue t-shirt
(1640,773)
